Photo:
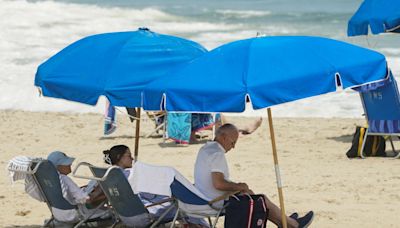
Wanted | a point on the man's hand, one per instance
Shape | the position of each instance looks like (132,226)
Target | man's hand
(221,184)
(245,188)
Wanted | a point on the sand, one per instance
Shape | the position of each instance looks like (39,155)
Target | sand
(315,171)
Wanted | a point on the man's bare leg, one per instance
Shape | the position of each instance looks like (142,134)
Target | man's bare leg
(244,130)
(251,128)
(274,215)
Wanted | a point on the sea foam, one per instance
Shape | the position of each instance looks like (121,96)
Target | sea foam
(33,31)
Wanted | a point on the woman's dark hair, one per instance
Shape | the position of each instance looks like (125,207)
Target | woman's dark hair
(113,155)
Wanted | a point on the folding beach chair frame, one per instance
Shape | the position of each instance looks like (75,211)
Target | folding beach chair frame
(368,133)
(36,164)
(104,178)
(162,126)
(218,211)
(181,213)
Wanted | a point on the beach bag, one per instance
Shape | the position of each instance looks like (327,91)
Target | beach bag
(245,211)
(375,145)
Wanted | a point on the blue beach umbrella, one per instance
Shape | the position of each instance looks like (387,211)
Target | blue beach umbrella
(116,65)
(380,15)
(267,71)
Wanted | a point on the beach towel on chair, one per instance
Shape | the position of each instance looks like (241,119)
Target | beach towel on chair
(151,178)
(110,124)
(201,121)
(179,127)
(17,168)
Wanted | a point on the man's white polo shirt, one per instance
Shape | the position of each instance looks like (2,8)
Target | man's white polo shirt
(211,158)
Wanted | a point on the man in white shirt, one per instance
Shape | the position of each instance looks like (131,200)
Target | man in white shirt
(211,175)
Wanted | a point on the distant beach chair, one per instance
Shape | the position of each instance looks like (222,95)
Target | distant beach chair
(381,103)
(159,119)
(47,179)
(126,205)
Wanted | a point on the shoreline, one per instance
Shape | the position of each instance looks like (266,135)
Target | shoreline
(315,171)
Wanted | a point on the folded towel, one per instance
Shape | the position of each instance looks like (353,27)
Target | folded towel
(151,179)
(158,179)
(17,168)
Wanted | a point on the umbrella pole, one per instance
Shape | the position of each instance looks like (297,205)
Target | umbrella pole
(277,172)
(137,134)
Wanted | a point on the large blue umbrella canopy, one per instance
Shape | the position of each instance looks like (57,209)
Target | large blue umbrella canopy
(380,15)
(266,70)
(117,65)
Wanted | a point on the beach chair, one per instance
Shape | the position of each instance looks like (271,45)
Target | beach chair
(159,119)
(47,179)
(191,203)
(126,205)
(382,110)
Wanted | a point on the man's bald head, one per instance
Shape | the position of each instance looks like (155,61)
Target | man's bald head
(227,135)
(226,129)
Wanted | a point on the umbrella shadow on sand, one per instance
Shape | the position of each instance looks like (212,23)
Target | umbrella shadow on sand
(116,137)
(25,226)
(173,144)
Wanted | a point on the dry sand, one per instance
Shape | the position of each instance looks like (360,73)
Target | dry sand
(316,173)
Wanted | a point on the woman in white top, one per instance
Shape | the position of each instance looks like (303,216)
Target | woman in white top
(121,156)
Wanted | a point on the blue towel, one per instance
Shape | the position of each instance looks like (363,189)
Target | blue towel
(180,125)
(201,121)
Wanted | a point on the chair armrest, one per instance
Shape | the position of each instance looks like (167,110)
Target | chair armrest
(160,202)
(103,178)
(80,164)
(222,197)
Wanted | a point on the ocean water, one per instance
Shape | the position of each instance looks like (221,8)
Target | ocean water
(32,31)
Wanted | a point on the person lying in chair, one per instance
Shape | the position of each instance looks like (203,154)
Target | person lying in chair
(211,175)
(75,195)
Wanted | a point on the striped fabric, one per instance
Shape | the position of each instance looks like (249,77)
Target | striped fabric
(384,126)
(18,163)
(17,167)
